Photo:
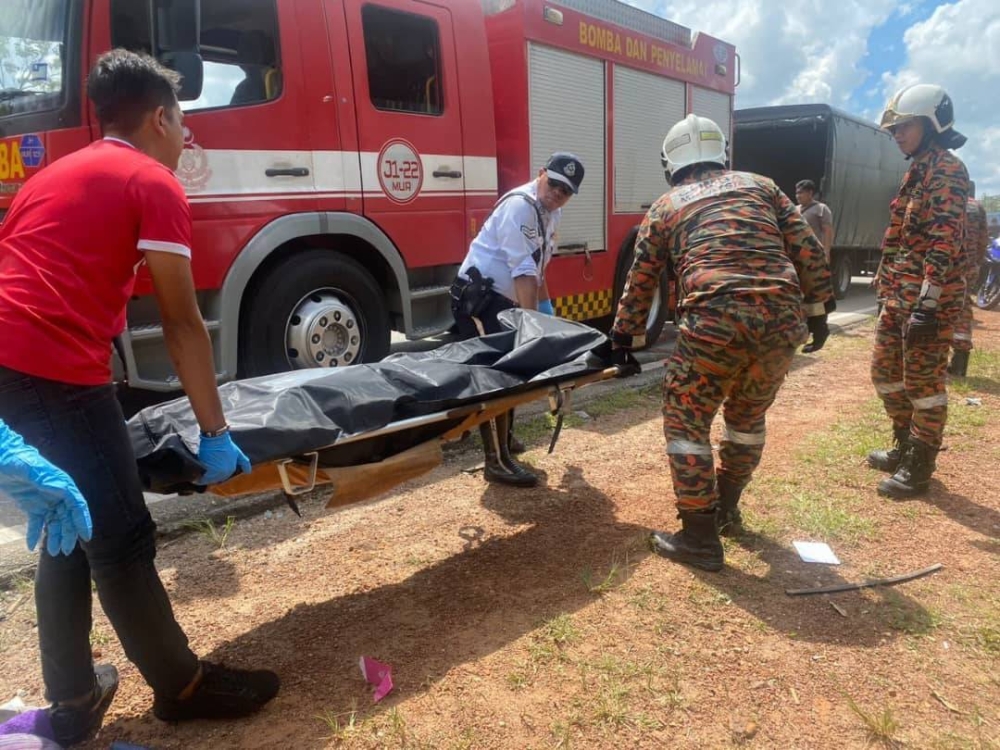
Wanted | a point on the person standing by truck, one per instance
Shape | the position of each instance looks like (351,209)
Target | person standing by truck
(921,286)
(818,215)
(755,284)
(973,252)
(505,268)
(70,247)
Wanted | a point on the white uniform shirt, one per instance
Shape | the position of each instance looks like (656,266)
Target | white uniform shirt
(503,249)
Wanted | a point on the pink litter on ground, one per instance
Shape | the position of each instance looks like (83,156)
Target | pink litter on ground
(378,674)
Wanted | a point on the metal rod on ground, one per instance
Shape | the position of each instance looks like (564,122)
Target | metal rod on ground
(866,584)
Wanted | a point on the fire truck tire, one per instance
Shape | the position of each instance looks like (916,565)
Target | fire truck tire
(659,313)
(840,273)
(314,309)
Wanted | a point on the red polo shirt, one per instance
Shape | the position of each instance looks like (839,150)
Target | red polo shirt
(69,250)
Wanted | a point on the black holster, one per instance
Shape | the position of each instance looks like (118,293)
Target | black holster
(470,297)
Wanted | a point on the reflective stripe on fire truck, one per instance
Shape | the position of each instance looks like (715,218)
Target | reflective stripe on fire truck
(240,175)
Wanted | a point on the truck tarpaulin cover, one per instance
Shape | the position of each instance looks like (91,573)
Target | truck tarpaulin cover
(289,414)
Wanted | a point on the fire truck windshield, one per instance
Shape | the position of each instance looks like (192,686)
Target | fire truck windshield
(33,43)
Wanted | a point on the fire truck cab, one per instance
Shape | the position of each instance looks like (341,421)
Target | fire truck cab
(341,154)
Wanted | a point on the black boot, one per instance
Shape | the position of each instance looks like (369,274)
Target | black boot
(914,473)
(696,544)
(888,460)
(959,364)
(515,446)
(500,467)
(730,519)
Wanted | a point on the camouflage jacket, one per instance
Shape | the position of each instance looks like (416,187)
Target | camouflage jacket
(731,238)
(922,249)
(977,238)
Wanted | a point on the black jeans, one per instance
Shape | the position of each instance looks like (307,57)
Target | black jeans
(81,430)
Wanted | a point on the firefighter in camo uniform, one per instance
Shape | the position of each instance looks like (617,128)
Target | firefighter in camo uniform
(920,285)
(754,283)
(973,251)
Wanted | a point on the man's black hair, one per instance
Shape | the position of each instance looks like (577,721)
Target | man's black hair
(699,171)
(125,86)
(805,185)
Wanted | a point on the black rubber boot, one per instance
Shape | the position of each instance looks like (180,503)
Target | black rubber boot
(888,460)
(500,467)
(914,473)
(515,446)
(730,520)
(696,544)
(959,364)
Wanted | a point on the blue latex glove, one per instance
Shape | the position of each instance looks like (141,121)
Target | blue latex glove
(45,493)
(545,306)
(221,456)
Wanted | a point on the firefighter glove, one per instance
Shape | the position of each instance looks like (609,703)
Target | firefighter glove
(820,332)
(221,457)
(922,327)
(46,494)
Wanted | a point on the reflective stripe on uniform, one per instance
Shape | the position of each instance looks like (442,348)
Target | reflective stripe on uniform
(688,447)
(962,337)
(742,438)
(930,402)
(816,308)
(884,389)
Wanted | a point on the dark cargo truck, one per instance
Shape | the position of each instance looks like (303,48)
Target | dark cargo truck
(856,166)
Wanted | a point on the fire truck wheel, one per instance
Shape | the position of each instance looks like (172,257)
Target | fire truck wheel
(659,312)
(315,309)
(840,273)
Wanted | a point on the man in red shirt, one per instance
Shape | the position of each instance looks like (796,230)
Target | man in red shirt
(69,250)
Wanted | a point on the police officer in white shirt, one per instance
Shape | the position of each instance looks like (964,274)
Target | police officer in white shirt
(505,268)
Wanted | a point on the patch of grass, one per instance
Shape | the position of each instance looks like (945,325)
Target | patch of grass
(622,560)
(620,400)
(99,638)
(560,630)
(340,725)
(612,703)
(217,535)
(987,638)
(881,727)
(824,516)
(518,679)
(909,617)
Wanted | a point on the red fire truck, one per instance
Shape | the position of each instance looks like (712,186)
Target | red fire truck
(341,154)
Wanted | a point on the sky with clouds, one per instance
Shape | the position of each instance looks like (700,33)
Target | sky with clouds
(853,54)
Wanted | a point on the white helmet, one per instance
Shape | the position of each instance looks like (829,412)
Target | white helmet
(694,140)
(924,100)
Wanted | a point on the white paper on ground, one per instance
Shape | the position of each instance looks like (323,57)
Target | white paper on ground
(816,552)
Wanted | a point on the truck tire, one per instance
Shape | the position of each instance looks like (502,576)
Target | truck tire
(840,274)
(660,311)
(314,309)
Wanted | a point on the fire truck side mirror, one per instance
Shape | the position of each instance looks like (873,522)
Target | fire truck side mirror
(177,40)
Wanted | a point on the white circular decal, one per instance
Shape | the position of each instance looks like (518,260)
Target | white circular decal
(399,171)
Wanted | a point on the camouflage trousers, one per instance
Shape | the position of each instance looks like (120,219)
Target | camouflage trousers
(736,358)
(962,340)
(911,380)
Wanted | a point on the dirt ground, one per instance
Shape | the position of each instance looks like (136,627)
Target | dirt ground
(538,619)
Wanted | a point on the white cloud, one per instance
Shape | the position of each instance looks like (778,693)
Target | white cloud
(791,52)
(815,51)
(958,47)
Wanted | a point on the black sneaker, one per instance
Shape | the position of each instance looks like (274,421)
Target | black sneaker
(75,724)
(223,693)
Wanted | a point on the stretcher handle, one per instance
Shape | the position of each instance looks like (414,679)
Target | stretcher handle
(286,482)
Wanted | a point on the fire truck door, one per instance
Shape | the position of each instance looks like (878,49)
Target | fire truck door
(409,126)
